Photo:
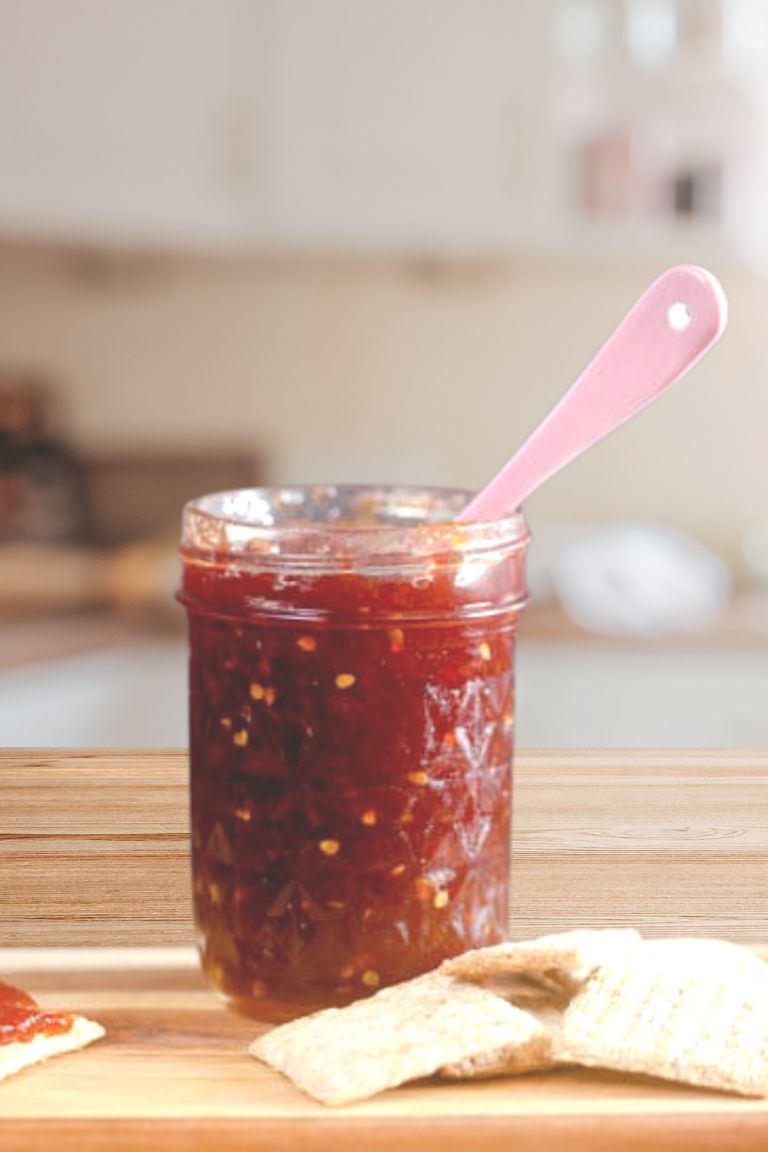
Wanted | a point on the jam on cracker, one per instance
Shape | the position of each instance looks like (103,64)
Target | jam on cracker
(22,1019)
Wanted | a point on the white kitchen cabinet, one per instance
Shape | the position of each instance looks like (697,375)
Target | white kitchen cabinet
(433,127)
(239,124)
(125,121)
(415,124)
(451,126)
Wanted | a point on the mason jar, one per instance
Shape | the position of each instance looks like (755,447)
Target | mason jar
(351,697)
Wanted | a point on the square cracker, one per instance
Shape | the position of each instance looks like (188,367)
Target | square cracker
(540,977)
(22,1054)
(402,1033)
(536,1055)
(688,1010)
(559,963)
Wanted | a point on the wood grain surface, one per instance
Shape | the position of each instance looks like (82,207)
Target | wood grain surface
(94,845)
(172,1073)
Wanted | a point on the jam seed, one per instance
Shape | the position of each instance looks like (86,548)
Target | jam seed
(345,680)
(243,814)
(418,778)
(424,889)
(368,817)
(307,643)
(397,870)
(226,722)
(396,640)
(371,978)
(270,695)
(257,692)
(329,847)
(347,972)
(441,899)
(214,891)
(240,738)
(485,650)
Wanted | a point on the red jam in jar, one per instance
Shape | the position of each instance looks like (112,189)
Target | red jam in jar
(351,733)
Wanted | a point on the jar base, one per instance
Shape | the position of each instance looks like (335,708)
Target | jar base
(280,1008)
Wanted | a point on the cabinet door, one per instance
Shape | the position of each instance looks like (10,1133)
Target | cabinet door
(121,121)
(409,123)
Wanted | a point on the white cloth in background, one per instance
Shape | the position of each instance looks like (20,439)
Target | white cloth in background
(640,580)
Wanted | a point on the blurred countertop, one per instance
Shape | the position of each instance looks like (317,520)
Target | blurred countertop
(743,621)
(36,636)
(57,602)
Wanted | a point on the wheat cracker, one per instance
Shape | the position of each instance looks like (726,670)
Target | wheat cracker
(561,962)
(403,1033)
(689,1010)
(536,1055)
(22,1054)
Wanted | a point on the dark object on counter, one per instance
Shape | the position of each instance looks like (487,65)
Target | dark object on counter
(137,494)
(42,495)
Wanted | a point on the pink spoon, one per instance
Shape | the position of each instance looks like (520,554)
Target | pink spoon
(672,325)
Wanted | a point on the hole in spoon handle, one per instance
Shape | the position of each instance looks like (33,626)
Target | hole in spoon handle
(679,316)
(670,327)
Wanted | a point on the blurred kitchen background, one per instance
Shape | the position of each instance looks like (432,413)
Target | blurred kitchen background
(275,241)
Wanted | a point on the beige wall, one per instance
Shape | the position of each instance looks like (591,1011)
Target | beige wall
(355,370)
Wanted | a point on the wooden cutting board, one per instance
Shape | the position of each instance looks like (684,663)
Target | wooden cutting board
(172,1073)
(94,853)
(94,844)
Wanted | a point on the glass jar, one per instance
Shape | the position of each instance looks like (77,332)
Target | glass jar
(351,733)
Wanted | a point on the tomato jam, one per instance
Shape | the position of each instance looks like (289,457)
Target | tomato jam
(21,1018)
(351,733)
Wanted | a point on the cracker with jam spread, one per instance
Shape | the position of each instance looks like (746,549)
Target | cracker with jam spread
(29,1034)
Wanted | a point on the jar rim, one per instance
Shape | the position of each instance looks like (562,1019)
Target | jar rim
(249,507)
(323,518)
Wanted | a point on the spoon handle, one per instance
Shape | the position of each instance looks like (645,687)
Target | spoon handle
(670,327)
